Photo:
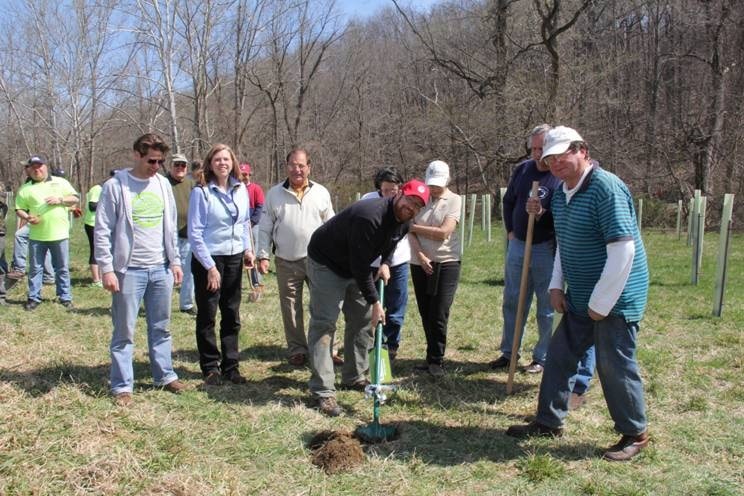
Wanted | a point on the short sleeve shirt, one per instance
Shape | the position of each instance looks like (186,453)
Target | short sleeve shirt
(434,214)
(94,194)
(54,224)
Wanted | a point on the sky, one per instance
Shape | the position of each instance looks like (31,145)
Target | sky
(366,8)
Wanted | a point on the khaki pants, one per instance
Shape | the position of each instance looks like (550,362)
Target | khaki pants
(291,277)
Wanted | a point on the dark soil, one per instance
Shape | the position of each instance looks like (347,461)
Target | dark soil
(336,451)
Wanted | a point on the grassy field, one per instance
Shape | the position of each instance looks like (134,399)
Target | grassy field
(61,434)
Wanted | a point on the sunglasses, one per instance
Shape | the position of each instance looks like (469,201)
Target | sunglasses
(180,164)
(153,161)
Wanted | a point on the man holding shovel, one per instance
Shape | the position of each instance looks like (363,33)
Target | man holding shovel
(338,265)
(602,262)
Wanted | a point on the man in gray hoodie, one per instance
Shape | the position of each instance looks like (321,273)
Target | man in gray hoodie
(136,249)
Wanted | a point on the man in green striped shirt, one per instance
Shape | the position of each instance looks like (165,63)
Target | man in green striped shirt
(601,262)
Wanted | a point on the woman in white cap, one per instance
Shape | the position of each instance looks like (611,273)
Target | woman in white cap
(435,262)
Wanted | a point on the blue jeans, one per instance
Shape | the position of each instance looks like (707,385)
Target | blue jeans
(396,300)
(615,342)
(186,295)
(154,285)
(59,251)
(585,372)
(538,282)
(20,252)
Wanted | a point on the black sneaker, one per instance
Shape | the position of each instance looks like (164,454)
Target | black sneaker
(31,305)
(190,311)
(500,363)
(533,429)
(235,377)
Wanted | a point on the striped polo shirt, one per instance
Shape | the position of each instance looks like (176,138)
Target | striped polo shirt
(599,213)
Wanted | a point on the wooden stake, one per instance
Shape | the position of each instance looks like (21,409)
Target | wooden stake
(520,317)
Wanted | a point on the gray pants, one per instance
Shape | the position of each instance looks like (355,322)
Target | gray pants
(329,294)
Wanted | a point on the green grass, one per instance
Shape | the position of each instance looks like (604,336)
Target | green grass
(61,434)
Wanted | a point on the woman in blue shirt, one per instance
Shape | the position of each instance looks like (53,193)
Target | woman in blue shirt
(219,233)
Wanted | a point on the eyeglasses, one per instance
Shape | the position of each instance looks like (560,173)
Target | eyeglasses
(153,161)
(552,159)
(178,164)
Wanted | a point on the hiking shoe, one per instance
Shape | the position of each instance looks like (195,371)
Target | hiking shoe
(436,370)
(626,448)
(329,407)
(576,401)
(534,368)
(235,377)
(500,363)
(123,399)
(297,360)
(533,429)
(213,379)
(16,275)
(175,387)
(31,305)
(67,304)
(359,385)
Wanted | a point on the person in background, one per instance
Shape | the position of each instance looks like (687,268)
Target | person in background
(219,233)
(3,264)
(182,184)
(294,209)
(387,184)
(20,250)
(338,265)
(257,199)
(137,253)
(89,221)
(600,285)
(435,263)
(43,203)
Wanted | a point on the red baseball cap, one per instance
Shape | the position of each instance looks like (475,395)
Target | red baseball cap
(245,168)
(414,187)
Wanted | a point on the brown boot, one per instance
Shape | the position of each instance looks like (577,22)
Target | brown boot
(626,448)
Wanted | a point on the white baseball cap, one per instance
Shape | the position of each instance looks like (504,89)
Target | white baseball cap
(437,174)
(558,139)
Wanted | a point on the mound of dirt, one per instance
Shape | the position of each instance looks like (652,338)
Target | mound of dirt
(335,451)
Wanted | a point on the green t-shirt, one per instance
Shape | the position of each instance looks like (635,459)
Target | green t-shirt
(94,194)
(54,224)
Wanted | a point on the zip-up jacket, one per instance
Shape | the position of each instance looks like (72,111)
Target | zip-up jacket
(114,232)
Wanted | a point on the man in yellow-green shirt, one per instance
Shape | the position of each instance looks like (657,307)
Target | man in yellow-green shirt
(43,203)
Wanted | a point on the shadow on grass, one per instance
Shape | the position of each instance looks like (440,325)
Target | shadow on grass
(92,380)
(271,389)
(435,444)
(92,311)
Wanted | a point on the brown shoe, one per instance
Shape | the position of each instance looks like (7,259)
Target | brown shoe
(576,401)
(626,448)
(328,406)
(213,379)
(337,360)
(16,275)
(533,429)
(123,399)
(175,387)
(297,360)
